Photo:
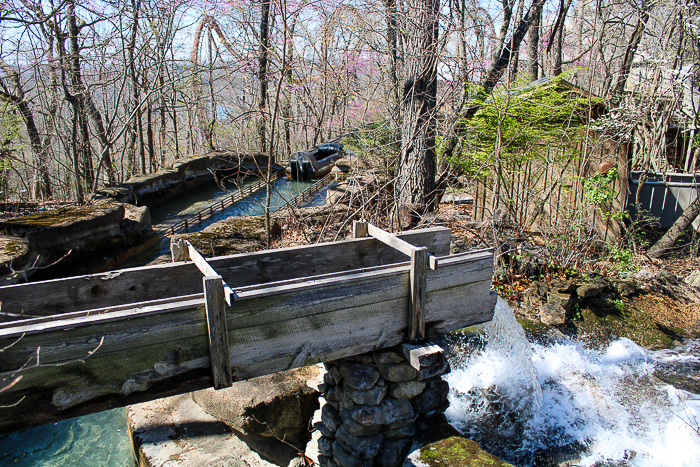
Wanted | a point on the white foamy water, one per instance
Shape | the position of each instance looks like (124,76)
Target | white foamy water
(542,404)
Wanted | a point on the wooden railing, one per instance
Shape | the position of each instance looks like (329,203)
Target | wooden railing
(306,195)
(193,219)
(197,218)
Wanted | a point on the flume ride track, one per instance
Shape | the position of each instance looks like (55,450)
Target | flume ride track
(196,218)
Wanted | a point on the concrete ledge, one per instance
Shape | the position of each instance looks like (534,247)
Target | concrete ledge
(184,175)
(177,432)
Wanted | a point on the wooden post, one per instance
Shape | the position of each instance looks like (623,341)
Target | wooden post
(359,229)
(179,251)
(416,307)
(219,357)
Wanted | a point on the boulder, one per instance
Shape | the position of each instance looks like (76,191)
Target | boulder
(693,279)
(358,375)
(626,287)
(175,431)
(397,372)
(406,389)
(278,405)
(563,299)
(72,241)
(390,410)
(458,452)
(552,314)
(591,289)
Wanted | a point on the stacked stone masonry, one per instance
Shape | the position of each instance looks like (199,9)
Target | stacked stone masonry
(375,404)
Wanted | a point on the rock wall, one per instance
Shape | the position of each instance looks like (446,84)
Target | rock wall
(374,405)
(72,241)
(185,175)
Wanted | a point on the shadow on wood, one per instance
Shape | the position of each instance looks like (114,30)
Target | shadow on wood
(85,344)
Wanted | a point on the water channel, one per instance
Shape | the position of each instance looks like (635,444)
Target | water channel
(533,400)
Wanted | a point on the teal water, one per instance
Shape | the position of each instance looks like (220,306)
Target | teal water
(96,440)
(283,190)
(102,439)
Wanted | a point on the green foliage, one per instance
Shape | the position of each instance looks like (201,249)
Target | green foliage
(376,138)
(598,189)
(619,305)
(576,310)
(519,127)
(622,259)
(10,133)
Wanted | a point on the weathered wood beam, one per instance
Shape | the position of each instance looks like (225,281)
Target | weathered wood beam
(416,307)
(70,367)
(359,229)
(208,271)
(420,261)
(396,243)
(23,301)
(219,356)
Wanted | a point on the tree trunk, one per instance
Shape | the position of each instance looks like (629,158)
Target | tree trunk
(86,103)
(630,52)
(533,44)
(558,43)
(262,72)
(149,137)
(287,109)
(136,124)
(676,230)
(516,54)
(417,165)
(390,6)
(18,98)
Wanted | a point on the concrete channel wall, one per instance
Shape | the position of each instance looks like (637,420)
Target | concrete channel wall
(185,175)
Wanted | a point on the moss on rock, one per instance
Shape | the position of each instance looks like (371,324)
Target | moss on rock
(599,328)
(459,452)
(49,218)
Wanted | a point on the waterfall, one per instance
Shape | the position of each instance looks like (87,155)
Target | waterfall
(541,404)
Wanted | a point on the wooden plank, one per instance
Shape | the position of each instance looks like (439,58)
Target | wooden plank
(208,271)
(163,281)
(74,366)
(199,261)
(397,243)
(423,356)
(149,306)
(359,229)
(416,307)
(219,357)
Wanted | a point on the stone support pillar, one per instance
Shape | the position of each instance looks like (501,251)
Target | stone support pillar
(376,403)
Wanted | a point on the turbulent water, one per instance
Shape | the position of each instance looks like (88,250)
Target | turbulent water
(543,403)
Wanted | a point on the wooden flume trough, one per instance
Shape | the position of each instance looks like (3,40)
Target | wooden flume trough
(83,344)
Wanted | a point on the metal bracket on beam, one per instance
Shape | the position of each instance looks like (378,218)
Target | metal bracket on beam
(420,262)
